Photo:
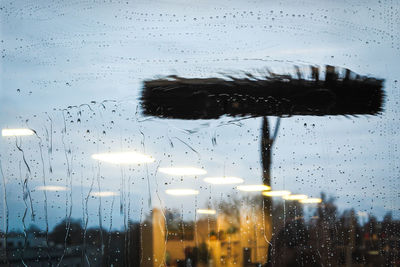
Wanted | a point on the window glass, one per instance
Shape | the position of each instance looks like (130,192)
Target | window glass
(210,133)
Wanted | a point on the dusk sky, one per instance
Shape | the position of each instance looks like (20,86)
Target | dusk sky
(60,61)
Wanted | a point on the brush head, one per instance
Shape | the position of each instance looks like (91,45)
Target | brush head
(275,95)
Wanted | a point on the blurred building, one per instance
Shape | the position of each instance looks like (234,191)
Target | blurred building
(213,240)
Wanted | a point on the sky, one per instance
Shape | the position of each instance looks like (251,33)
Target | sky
(87,60)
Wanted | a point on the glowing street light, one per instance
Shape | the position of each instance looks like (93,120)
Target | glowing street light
(206,211)
(123,158)
(278,193)
(223,180)
(182,171)
(295,197)
(17,132)
(51,188)
(253,188)
(181,192)
(104,194)
(311,201)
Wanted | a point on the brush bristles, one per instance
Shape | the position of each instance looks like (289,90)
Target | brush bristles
(275,95)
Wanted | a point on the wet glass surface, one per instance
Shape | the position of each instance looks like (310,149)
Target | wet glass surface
(229,133)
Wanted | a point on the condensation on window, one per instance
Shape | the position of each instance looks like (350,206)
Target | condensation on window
(228,133)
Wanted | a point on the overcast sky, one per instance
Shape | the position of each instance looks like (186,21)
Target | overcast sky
(57,55)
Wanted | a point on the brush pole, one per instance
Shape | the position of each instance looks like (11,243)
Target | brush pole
(266,160)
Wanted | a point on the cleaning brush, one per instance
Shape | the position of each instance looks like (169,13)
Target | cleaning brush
(273,95)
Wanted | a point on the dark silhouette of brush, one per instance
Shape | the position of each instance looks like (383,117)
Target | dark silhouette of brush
(273,95)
